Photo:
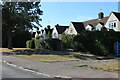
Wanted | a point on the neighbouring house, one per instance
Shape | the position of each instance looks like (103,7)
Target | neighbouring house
(96,24)
(47,31)
(38,33)
(33,34)
(113,21)
(75,28)
(58,31)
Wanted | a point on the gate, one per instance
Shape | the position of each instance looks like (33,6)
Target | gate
(117,48)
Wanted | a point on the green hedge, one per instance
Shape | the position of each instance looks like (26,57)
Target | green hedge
(49,44)
(30,44)
(96,42)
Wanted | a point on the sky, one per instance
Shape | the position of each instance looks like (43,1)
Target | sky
(63,13)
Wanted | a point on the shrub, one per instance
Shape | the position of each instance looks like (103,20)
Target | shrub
(49,44)
(67,40)
(30,44)
(37,37)
(38,44)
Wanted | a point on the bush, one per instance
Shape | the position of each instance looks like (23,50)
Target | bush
(49,44)
(96,42)
(67,40)
(30,44)
(37,37)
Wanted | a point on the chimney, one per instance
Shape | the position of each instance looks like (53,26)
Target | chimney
(101,15)
(57,25)
(48,27)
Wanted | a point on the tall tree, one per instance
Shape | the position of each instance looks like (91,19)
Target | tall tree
(19,15)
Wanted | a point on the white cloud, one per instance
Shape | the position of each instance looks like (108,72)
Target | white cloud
(82,18)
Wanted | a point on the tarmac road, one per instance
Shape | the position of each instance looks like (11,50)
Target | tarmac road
(13,72)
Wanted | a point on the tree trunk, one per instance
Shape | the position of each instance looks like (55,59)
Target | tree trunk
(9,41)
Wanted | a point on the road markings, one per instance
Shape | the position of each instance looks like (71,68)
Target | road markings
(26,69)
(33,71)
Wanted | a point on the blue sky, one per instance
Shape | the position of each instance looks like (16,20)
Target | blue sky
(64,12)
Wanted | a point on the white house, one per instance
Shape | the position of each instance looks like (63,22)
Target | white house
(47,31)
(113,21)
(58,30)
(75,28)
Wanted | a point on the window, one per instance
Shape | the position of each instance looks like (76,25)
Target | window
(88,28)
(114,24)
(71,30)
(98,28)
(55,35)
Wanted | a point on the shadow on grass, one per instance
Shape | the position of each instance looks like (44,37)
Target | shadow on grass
(60,53)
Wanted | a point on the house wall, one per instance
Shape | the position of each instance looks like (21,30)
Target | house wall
(36,34)
(72,30)
(55,33)
(88,27)
(44,34)
(66,31)
(98,27)
(113,19)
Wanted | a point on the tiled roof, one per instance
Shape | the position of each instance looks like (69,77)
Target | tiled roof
(94,22)
(61,29)
(79,26)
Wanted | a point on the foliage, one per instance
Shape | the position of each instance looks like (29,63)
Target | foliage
(19,15)
(96,42)
(49,44)
(30,44)
(67,40)
(19,39)
(49,36)
(37,37)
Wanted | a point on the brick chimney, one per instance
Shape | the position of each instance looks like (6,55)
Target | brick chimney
(101,15)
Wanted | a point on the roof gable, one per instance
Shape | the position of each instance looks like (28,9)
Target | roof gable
(61,29)
(117,15)
(48,30)
(78,26)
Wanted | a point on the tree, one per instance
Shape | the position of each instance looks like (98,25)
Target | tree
(19,15)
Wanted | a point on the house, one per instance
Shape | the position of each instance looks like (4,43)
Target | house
(75,28)
(113,21)
(58,30)
(96,24)
(47,31)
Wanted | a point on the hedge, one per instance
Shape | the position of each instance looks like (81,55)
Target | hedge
(30,44)
(96,42)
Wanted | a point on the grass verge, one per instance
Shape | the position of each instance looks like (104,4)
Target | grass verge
(47,58)
(109,67)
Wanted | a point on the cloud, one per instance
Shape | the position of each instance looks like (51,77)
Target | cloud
(82,18)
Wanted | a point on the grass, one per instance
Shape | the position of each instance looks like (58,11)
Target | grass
(109,67)
(14,49)
(47,58)
(82,66)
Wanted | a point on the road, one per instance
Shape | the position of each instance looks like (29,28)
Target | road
(13,72)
